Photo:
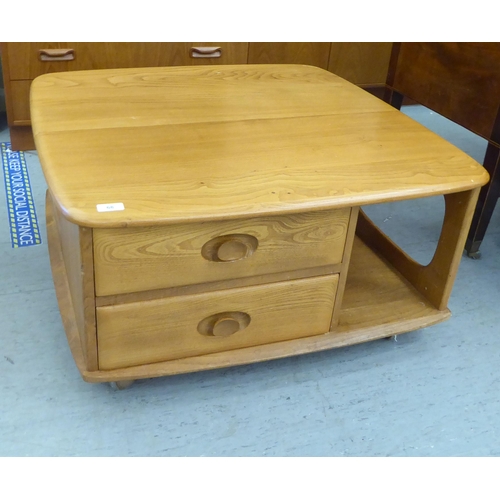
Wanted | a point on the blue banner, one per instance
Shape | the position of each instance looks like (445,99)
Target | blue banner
(23,222)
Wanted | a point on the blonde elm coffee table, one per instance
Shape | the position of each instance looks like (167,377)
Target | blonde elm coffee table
(203,217)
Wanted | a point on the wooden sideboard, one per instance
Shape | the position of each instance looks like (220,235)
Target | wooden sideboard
(364,64)
(202,217)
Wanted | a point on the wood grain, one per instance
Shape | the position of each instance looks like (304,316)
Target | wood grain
(138,259)
(20,112)
(314,54)
(70,250)
(279,156)
(301,140)
(25,63)
(159,330)
(343,273)
(362,63)
(21,138)
(127,298)
(435,280)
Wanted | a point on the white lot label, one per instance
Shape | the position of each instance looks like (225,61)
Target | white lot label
(110,207)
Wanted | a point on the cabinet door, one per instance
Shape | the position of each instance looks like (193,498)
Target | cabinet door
(313,53)
(28,60)
(363,63)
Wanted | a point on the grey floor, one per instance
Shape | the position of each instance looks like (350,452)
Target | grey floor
(434,392)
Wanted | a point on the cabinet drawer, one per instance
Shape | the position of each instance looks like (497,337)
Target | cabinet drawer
(179,327)
(139,259)
(28,60)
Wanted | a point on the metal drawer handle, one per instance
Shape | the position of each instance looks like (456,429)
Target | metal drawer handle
(229,247)
(205,52)
(224,324)
(56,54)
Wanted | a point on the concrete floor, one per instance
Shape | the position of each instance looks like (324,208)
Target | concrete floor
(432,393)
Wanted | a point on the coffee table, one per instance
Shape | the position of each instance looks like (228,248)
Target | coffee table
(203,217)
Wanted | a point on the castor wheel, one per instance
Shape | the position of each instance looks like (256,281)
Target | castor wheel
(119,385)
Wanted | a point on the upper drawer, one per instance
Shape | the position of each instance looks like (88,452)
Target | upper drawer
(28,60)
(139,259)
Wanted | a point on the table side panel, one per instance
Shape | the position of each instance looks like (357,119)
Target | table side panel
(140,259)
(76,250)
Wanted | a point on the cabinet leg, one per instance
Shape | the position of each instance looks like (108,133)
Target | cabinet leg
(487,200)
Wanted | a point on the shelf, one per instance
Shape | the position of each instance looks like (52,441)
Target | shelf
(378,298)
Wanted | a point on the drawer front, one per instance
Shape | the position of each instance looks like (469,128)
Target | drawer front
(140,259)
(28,60)
(180,327)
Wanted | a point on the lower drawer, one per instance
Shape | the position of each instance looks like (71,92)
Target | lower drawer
(179,327)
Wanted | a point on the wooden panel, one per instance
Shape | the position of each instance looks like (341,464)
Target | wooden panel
(16,60)
(231,142)
(346,259)
(212,286)
(458,80)
(363,63)
(159,330)
(379,302)
(25,62)
(135,259)
(155,97)
(434,281)
(21,138)
(71,249)
(20,99)
(315,54)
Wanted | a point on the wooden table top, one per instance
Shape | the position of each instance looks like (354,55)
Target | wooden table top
(181,144)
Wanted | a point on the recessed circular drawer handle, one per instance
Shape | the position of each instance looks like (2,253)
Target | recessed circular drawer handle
(224,324)
(230,247)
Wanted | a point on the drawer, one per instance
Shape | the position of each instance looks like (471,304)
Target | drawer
(28,60)
(179,327)
(140,259)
